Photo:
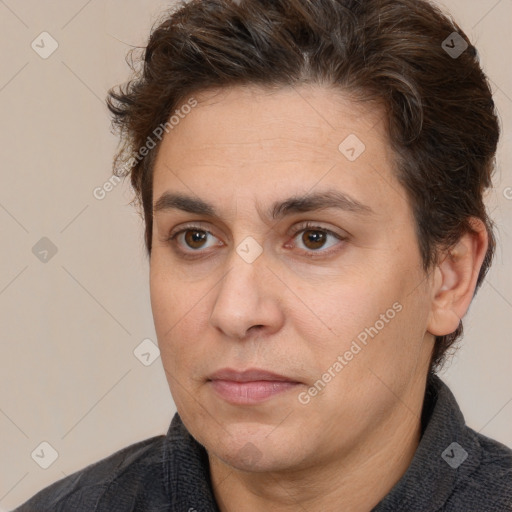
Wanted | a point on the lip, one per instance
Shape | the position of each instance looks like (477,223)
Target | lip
(250,386)
(249,375)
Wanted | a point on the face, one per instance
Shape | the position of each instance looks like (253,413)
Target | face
(283,243)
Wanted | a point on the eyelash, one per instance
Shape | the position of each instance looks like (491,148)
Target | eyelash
(305,226)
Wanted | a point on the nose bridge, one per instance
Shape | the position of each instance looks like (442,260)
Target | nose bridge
(245,298)
(241,283)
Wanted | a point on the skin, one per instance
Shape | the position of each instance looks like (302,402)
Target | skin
(242,149)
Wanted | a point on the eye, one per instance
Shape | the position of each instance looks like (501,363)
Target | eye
(193,238)
(313,238)
(316,241)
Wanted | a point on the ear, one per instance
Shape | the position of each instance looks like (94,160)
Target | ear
(455,280)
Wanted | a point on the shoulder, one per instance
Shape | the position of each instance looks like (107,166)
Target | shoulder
(489,485)
(83,490)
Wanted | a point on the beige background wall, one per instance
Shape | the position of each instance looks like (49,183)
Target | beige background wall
(68,374)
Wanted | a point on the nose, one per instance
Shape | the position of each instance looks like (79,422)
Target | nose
(248,299)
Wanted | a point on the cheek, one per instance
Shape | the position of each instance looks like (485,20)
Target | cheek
(169,294)
(348,305)
(178,314)
(163,303)
(376,304)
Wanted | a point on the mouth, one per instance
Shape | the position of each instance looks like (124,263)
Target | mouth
(250,386)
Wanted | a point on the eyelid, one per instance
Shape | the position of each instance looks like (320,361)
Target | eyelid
(312,225)
(296,229)
(199,226)
(315,226)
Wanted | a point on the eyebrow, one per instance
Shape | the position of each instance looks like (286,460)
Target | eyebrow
(295,204)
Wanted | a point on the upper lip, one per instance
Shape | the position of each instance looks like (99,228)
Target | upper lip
(249,375)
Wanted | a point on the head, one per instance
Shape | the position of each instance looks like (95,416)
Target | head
(249,115)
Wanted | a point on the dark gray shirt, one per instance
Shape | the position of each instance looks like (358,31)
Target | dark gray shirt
(454,469)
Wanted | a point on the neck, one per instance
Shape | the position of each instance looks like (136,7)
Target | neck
(353,482)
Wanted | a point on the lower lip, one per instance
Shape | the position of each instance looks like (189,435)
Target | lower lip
(250,392)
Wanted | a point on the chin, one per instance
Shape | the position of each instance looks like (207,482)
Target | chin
(256,452)
(251,459)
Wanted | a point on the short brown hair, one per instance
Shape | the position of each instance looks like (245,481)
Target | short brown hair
(441,116)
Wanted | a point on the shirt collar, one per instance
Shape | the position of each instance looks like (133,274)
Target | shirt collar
(187,471)
(447,452)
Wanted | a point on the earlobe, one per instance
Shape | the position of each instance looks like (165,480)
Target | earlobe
(443,321)
(455,280)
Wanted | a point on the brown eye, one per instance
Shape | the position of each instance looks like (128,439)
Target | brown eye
(193,240)
(316,241)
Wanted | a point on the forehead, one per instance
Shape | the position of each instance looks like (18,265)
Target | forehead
(257,141)
(259,115)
